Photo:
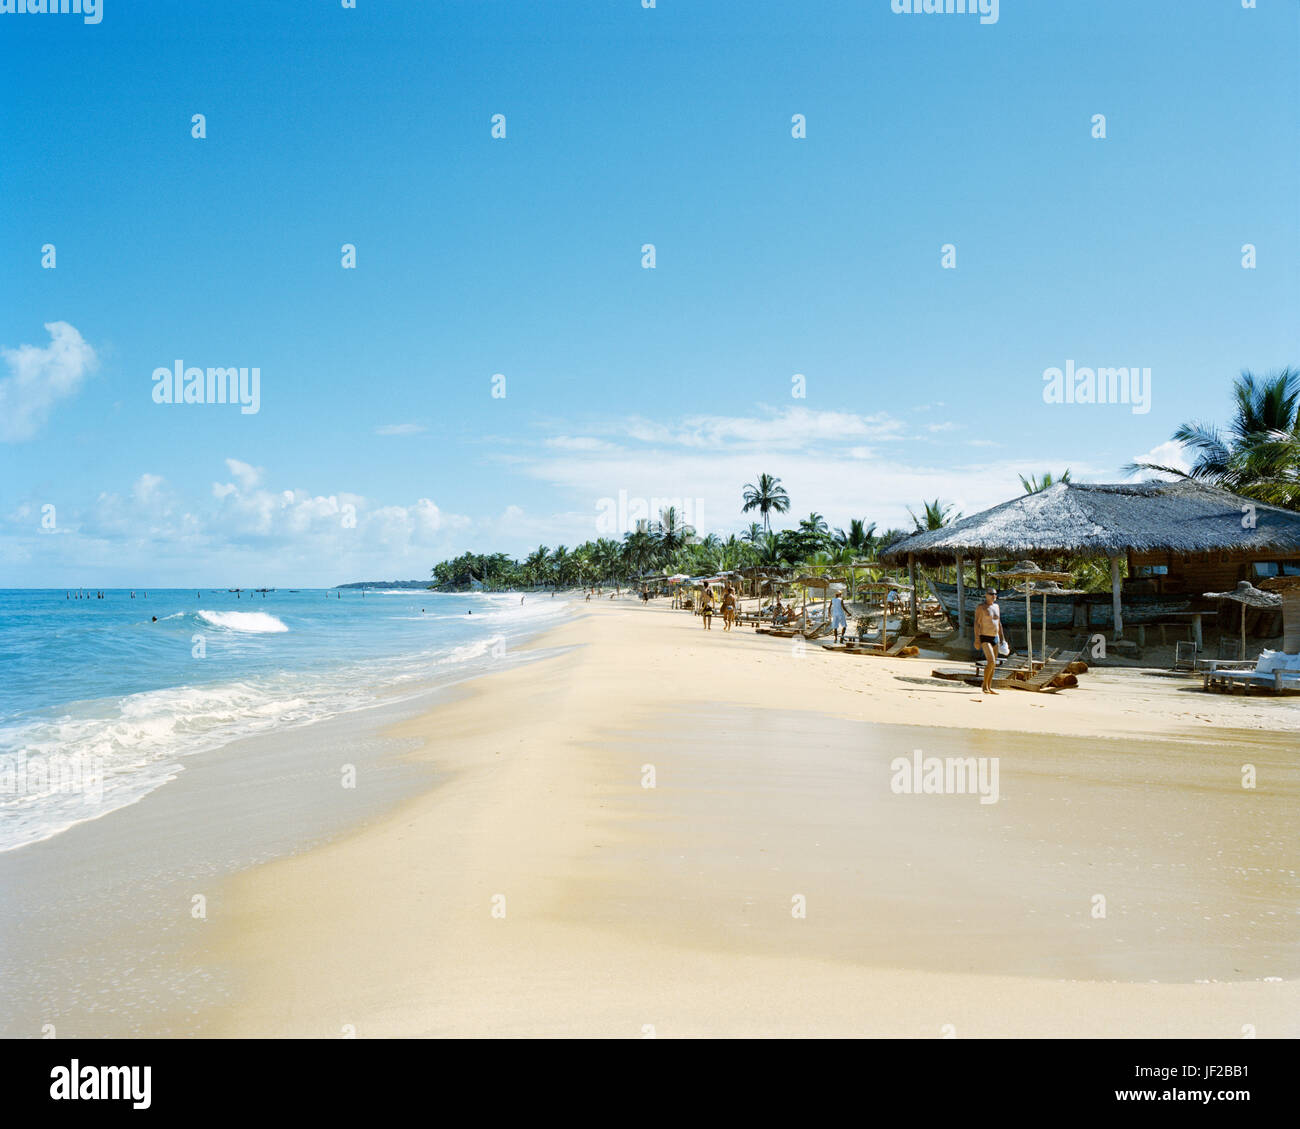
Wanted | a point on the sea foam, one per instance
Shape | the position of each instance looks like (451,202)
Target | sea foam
(257,623)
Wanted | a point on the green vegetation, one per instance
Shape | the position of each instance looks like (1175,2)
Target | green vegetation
(669,545)
(1257,455)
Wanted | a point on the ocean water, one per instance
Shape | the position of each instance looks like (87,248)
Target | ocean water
(100,704)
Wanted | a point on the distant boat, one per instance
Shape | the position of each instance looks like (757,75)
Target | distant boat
(1093,610)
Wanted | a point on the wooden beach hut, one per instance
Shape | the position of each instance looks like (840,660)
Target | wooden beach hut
(1176,541)
(1288,587)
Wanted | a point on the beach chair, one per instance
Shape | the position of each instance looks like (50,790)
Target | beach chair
(901,648)
(1273,672)
(1046,680)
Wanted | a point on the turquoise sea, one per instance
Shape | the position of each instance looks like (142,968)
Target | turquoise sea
(102,699)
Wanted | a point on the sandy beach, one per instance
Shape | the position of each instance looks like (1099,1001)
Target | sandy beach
(770,882)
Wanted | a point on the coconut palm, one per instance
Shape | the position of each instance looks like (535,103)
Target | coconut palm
(1033,484)
(860,537)
(816,525)
(670,532)
(639,551)
(768,550)
(561,566)
(936,516)
(536,564)
(1258,453)
(767,497)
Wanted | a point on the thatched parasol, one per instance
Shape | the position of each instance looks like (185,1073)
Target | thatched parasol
(1248,596)
(1030,576)
(1044,588)
(884,586)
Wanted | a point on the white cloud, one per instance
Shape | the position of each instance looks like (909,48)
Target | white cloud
(580,443)
(146,487)
(40,377)
(702,463)
(247,476)
(401,429)
(1170,453)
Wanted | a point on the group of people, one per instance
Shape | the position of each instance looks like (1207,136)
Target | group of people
(728,604)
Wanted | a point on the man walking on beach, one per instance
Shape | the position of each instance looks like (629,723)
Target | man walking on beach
(989,634)
(839,618)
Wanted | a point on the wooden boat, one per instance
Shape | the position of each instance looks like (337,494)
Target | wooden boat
(1064,612)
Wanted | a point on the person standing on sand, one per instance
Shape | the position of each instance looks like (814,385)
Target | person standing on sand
(706,608)
(728,608)
(839,617)
(988,634)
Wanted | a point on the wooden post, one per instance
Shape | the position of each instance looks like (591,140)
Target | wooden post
(961,600)
(1029,620)
(911,579)
(1117,609)
(979,574)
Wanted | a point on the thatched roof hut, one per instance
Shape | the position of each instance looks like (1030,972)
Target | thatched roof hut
(1109,520)
(1189,535)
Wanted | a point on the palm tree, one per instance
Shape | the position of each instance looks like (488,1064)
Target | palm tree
(769,550)
(639,551)
(670,532)
(815,524)
(936,516)
(860,538)
(535,564)
(1258,454)
(767,497)
(606,557)
(561,566)
(1034,485)
(753,533)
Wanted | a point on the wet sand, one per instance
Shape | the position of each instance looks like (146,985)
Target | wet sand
(771,882)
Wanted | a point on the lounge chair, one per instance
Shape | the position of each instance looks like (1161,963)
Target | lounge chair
(1274,672)
(1051,676)
(810,629)
(901,648)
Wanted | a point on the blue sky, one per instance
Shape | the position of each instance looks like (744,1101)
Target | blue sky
(378,447)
